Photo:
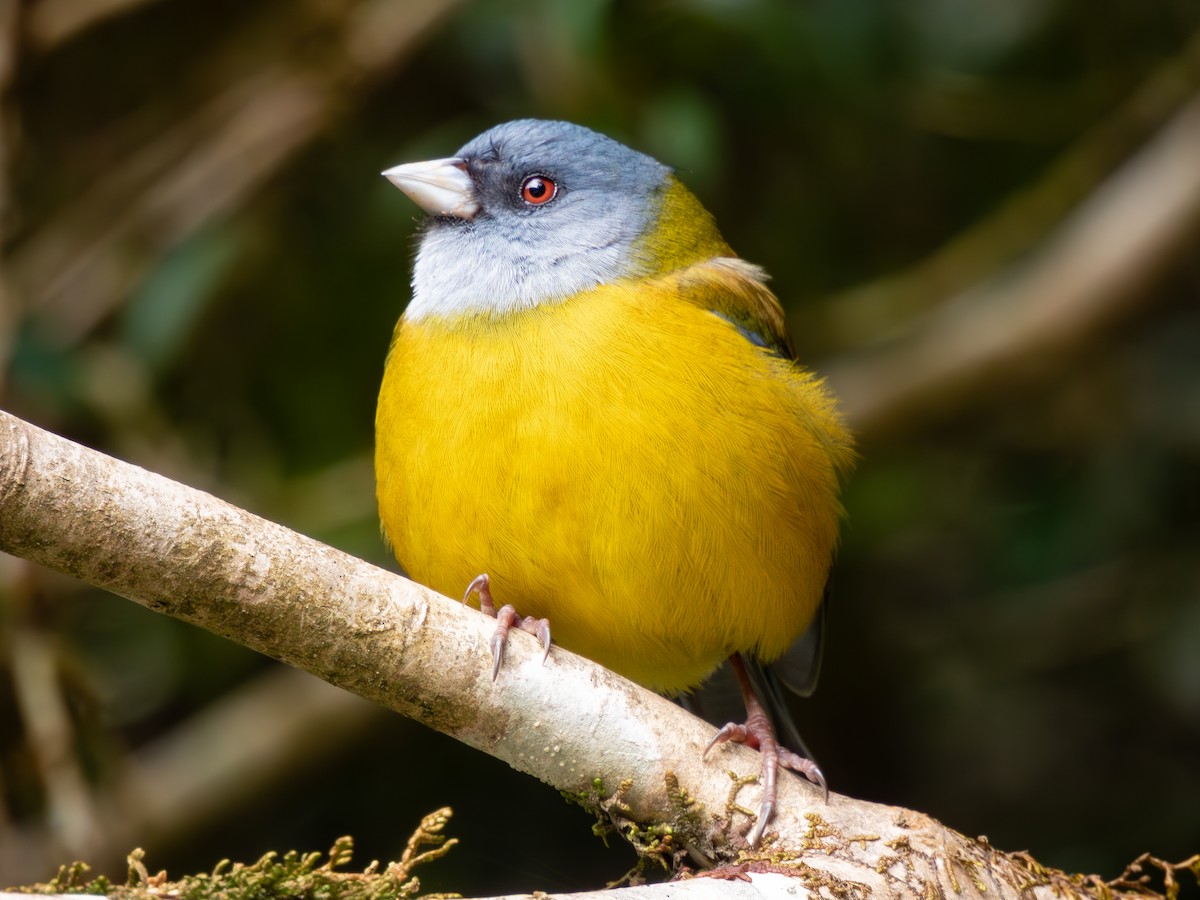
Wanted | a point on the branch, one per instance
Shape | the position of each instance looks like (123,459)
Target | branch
(1087,275)
(194,775)
(1021,222)
(82,264)
(53,22)
(627,753)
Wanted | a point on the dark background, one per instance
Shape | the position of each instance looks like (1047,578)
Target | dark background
(202,268)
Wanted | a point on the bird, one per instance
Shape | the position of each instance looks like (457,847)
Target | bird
(591,411)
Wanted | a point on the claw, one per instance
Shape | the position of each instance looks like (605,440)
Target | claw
(730,732)
(766,812)
(506,617)
(802,765)
(483,585)
(499,643)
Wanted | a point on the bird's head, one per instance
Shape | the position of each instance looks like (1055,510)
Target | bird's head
(533,212)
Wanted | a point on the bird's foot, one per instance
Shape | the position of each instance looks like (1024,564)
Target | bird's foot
(506,617)
(758,732)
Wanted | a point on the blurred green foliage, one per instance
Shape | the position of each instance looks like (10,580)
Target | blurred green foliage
(1015,631)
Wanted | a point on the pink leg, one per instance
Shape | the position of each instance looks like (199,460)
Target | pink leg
(759,733)
(506,617)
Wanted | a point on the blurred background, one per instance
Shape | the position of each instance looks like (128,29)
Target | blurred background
(981,216)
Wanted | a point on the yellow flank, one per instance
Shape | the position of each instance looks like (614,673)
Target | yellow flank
(624,463)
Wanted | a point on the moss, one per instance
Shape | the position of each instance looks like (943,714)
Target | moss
(292,875)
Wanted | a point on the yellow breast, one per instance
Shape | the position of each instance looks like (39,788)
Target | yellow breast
(624,463)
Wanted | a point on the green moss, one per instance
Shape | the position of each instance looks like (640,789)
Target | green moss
(292,875)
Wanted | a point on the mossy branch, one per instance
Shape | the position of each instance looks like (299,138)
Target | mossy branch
(629,755)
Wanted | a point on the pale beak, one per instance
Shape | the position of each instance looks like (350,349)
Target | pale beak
(441,187)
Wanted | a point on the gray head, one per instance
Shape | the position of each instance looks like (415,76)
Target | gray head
(529,212)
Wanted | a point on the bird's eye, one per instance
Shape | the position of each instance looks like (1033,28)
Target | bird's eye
(537,190)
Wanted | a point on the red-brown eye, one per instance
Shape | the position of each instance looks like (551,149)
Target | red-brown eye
(538,189)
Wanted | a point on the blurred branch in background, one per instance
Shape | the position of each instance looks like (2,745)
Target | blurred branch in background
(187,779)
(36,664)
(79,270)
(1026,320)
(79,267)
(866,312)
(211,765)
(53,22)
(9,29)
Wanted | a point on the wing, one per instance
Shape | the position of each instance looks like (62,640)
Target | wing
(737,291)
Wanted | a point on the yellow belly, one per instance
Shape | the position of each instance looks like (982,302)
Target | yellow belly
(624,464)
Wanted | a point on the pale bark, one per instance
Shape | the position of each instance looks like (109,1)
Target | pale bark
(632,755)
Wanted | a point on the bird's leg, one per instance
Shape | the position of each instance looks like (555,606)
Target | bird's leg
(759,732)
(506,617)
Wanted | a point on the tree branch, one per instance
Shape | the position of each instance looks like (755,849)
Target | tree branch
(193,775)
(1087,275)
(627,753)
(860,314)
(210,159)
